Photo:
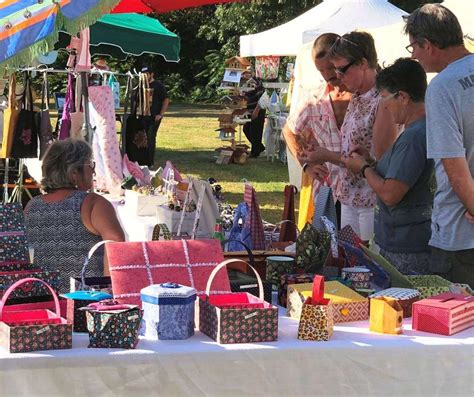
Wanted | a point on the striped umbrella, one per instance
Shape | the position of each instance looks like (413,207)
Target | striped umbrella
(29,28)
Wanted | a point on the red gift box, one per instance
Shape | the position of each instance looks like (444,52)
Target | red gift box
(444,314)
(137,265)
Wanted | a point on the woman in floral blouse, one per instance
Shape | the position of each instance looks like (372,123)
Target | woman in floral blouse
(367,123)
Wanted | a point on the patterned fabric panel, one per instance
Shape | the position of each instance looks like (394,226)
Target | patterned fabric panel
(114,330)
(60,239)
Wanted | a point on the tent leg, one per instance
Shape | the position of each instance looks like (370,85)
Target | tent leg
(85,96)
(5,182)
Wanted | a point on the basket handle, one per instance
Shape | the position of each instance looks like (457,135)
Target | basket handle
(225,263)
(88,257)
(246,247)
(24,281)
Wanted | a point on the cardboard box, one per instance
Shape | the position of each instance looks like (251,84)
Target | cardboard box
(444,314)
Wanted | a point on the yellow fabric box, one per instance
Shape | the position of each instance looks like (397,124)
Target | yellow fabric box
(347,304)
(386,315)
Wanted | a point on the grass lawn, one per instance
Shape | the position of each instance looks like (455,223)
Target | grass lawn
(187,138)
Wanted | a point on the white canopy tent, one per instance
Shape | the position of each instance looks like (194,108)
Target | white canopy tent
(286,39)
(464,11)
(339,16)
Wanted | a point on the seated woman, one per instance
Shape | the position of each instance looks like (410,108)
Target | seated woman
(63,224)
(402,177)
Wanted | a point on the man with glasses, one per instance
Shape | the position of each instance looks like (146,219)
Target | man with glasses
(316,121)
(436,41)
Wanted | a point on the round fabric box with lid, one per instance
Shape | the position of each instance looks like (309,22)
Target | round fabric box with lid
(277,266)
(359,276)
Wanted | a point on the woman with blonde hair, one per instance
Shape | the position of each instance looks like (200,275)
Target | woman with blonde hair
(367,123)
(67,221)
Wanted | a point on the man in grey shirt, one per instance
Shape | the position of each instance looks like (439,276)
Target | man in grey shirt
(436,41)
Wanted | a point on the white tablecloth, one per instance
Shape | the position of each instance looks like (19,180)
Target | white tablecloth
(353,362)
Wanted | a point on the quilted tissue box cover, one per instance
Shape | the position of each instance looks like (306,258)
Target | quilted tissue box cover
(136,265)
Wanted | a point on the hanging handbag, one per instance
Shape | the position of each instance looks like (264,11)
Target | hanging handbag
(25,139)
(135,126)
(306,207)
(77,115)
(10,118)
(65,130)
(324,206)
(45,130)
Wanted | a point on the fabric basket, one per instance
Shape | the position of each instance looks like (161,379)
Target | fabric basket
(112,325)
(33,330)
(430,285)
(277,266)
(312,247)
(316,322)
(237,317)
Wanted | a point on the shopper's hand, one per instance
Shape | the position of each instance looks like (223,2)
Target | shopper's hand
(317,171)
(362,151)
(318,155)
(354,163)
(469,217)
(158,117)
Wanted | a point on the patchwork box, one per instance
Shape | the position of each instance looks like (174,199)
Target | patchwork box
(347,304)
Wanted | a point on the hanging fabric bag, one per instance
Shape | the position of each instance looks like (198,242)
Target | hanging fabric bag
(10,118)
(45,129)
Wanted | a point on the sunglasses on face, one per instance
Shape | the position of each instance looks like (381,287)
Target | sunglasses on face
(388,97)
(342,70)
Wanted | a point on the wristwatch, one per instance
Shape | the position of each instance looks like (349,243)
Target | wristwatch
(362,170)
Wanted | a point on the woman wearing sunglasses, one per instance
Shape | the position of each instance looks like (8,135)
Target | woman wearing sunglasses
(367,123)
(67,221)
(403,177)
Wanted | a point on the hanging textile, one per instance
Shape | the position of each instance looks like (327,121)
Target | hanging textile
(10,117)
(65,129)
(83,59)
(104,143)
(254,220)
(25,138)
(45,129)
(136,125)
(266,68)
(77,115)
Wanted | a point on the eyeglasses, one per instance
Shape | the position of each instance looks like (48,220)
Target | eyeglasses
(410,47)
(388,97)
(344,69)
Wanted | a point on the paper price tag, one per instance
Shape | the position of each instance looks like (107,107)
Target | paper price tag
(248,316)
(43,330)
(247,286)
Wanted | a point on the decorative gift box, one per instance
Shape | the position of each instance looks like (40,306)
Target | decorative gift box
(168,311)
(13,243)
(237,317)
(113,325)
(404,296)
(241,282)
(430,285)
(277,266)
(358,276)
(143,204)
(386,315)
(33,330)
(316,322)
(171,218)
(348,305)
(444,314)
(136,265)
(79,299)
(286,280)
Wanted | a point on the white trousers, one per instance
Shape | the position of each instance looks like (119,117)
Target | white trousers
(361,219)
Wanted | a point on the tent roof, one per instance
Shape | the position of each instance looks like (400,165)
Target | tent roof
(338,16)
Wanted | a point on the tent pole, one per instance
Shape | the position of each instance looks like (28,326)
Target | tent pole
(85,96)
(5,182)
